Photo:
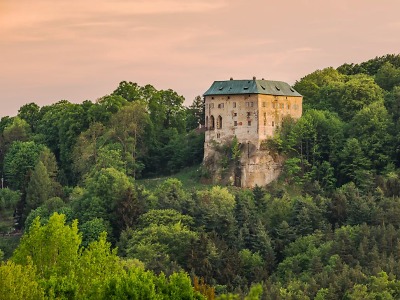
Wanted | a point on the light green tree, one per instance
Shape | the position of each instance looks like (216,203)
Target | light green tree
(19,282)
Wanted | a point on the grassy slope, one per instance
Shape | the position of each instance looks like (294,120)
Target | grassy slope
(190,178)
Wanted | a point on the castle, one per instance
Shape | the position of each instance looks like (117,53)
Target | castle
(251,110)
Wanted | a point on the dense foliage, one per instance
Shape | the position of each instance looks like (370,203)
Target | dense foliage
(327,229)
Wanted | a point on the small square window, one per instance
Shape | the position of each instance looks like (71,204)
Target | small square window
(235,114)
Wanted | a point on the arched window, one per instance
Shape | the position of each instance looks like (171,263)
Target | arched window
(219,122)
(211,122)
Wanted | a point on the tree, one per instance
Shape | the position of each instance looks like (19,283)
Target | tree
(127,127)
(161,247)
(53,248)
(31,114)
(86,149)
(388,76)
(18,130)
(49,161)
(215,211)
(138,284)
(195,114)
(98,264)
(48,127)
(20,159)
(128,90)
(47,209)
(71,123)
(354,166)
(164,217)
(107,192)
(9,199)
(19,282)
(313,143)
(372,126)
(170,194)
(310,85)
(40,188)
(104,108)
(359,92)
(59,129)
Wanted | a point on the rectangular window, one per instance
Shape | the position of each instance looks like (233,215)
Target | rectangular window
(211,105)
(251,104)
(221,105)
(281,106)
(274,105)
(248,123)
(234,123)
(264,104)
(234,104)
(265,115)
(247,104)
(235,114)
(288,106)
(248,114)
(273,124)
(265,122)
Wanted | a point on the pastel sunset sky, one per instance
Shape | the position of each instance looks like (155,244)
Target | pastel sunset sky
(81,49)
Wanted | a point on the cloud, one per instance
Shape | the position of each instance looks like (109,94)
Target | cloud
(25,13)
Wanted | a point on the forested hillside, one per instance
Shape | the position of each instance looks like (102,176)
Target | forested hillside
(329,228)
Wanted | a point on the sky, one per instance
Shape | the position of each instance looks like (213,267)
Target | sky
(79,50)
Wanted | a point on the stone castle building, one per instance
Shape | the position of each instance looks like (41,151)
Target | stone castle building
(251,110)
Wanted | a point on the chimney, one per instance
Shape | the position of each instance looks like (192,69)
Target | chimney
(254,77)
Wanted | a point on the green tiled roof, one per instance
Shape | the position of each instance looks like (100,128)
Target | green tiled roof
(237,87)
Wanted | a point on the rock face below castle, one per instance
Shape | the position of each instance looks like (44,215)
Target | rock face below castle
(249,111)
(253,167)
